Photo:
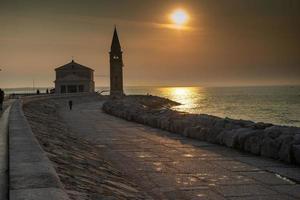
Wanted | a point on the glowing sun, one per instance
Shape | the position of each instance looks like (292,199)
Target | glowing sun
(179,17)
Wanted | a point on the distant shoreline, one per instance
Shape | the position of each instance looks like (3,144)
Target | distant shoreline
(163,86)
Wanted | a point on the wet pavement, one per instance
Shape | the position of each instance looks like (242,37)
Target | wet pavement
(169,166)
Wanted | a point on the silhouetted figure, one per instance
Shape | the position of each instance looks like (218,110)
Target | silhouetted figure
(1,99)
(70,104)
(47,91)
(38,92)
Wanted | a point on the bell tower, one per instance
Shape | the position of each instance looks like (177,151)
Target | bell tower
(116,66)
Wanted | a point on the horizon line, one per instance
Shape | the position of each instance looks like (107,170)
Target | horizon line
(207,86)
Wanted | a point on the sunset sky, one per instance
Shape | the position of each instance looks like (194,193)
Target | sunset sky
(225,42)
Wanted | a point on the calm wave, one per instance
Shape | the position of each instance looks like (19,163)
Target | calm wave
(274,104)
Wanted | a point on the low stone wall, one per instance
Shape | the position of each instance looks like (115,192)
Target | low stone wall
(277,142)
(31,174)
(3,155)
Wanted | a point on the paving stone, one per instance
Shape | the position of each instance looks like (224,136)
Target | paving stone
(37,180)
(25,157)
(260,162)
(268,197)
(293,190)
(228,152)
(175,180)
(38,194)
(268,178)
(243,190)
(195,166)
(24,147)
(214,179)
(196,152)
(196,194)
(290,172)
(236,166)
(196,143)
(153,167)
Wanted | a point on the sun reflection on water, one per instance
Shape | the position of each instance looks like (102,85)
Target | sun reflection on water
(187,96)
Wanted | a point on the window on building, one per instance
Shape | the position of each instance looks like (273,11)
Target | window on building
(72,88)
(63,89)
(81,88)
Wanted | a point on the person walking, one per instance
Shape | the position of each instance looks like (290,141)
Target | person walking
(70,104)
(1,99)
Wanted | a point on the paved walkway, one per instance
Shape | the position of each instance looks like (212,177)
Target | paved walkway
(168,166)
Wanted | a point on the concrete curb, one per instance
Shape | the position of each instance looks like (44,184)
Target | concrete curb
(3,155)
(31,174)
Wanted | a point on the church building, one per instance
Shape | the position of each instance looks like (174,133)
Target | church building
(73,77)
(116,66)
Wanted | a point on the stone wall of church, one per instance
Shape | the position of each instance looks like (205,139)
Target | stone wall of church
(74,86)
(74,81)
(86,74)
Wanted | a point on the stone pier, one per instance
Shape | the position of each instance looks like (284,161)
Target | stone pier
(162,164)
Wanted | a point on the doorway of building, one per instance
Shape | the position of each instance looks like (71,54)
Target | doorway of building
(72,88)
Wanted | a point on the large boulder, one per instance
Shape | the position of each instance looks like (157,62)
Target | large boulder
(253,143)
(236,137)
(151,120)
(278,143)
(273,132)
(206,121)
(178,125)
(270,147)
(197,133)
(243,135)
(296,153)
(164,123)
(286,149)
(212,135)
(228,137)
(297,138)
(190,131)
(240,122)
(260,125)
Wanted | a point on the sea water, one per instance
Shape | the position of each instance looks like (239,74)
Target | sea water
(270,104)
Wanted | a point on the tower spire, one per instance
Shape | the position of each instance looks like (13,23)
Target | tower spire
(116,65)
(115,44)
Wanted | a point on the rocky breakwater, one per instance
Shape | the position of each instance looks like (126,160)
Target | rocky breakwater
(264,139)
